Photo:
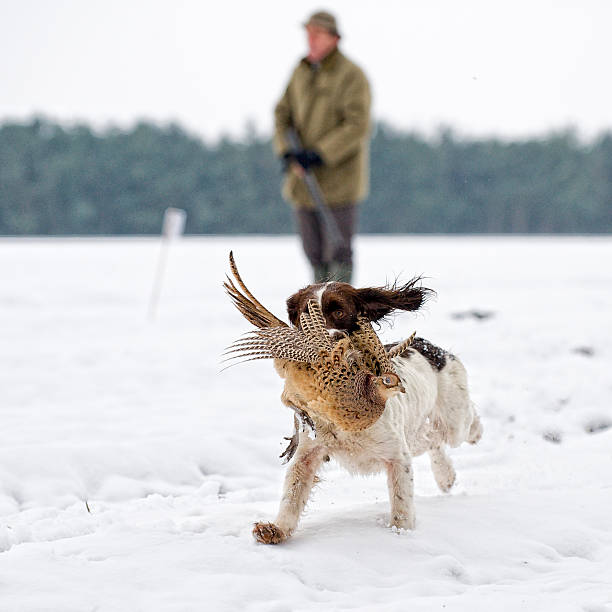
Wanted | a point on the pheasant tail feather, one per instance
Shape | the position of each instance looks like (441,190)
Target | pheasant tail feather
(248,305)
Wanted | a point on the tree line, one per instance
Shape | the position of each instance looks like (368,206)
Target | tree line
(60,180)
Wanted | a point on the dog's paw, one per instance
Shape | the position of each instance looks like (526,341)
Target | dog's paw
(446,479)
(269,533)
(402,522)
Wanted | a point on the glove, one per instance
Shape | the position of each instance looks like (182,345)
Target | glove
(305,157)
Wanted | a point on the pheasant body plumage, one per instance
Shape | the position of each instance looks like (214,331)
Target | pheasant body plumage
(345,382)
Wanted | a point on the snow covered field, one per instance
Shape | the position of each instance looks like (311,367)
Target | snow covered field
(132,469)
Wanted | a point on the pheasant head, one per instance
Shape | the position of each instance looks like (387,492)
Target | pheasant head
(388,385)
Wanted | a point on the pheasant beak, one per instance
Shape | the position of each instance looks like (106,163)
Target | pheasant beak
(401,388)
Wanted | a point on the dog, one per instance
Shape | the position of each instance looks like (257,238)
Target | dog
(435,411)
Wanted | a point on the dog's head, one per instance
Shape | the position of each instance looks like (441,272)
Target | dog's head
(342,303)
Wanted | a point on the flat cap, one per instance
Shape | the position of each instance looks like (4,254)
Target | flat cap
(325,20)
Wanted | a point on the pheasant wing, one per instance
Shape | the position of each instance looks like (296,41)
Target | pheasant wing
(274,343)
(398,349)
(368,342)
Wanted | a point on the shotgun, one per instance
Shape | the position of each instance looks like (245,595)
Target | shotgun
(325,215)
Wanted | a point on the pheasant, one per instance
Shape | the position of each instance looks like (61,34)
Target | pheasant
(330,380)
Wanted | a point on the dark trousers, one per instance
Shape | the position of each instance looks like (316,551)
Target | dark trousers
(316,244)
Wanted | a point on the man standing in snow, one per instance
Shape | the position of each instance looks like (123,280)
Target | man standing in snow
(327,101)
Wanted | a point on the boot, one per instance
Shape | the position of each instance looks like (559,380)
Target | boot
(341,271)
(320,273)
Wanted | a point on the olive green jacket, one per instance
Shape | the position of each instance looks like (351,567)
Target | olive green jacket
(330,108)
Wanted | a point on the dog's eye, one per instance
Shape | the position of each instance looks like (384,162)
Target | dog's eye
(339,314)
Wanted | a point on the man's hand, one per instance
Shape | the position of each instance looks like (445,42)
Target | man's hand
(304,159)
(307,158)
(297,169)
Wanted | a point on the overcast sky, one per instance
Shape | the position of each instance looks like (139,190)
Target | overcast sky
(511,68)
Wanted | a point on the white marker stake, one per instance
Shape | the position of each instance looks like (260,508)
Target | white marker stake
(172,227)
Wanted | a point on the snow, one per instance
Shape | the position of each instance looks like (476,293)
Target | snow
(132,468)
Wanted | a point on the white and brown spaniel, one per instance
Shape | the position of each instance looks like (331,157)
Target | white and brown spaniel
(435,411)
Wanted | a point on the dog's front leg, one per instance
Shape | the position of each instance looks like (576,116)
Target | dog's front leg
(401,491)
(298,484)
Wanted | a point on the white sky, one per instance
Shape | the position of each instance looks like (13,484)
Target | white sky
(510,68)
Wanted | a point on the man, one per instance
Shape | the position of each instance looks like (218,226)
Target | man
(327,102)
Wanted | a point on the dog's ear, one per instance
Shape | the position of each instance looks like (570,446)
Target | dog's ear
(378,302)
(293,307)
